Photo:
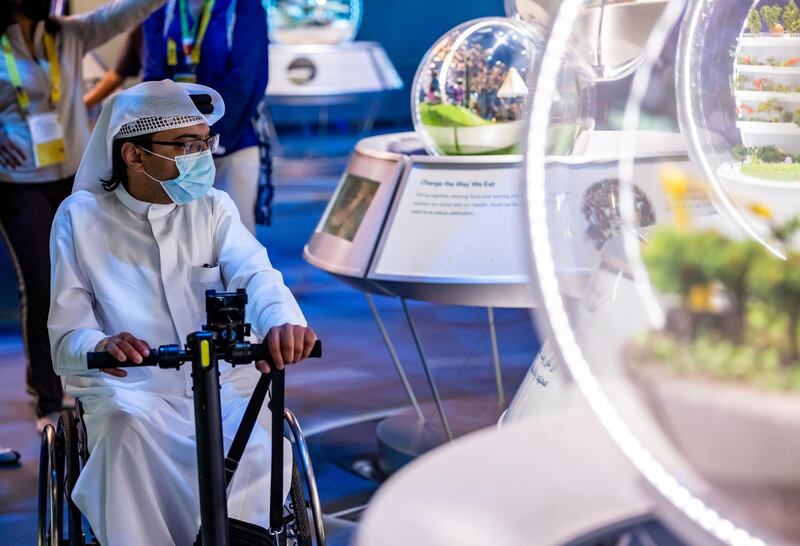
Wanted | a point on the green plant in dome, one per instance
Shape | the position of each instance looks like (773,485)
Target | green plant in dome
(740,152)
(791,17)
(754,21)
(676,260)
(772,108)
(776,282)
(730,262)
(771,15)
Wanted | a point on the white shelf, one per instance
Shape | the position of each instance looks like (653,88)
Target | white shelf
(749,95)
(770,40)
(766,127)
(766,69)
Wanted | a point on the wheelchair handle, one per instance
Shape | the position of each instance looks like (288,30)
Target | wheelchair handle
(173,356)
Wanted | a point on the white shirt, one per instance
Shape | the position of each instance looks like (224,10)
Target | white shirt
(79,34)
(123,265)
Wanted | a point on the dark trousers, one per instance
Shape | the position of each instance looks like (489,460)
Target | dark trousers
(26,215)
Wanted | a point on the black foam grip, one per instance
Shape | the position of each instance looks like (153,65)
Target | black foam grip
(100,360)
(261,351)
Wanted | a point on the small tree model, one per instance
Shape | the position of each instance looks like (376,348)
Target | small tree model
(768,154)
(791,17)
(772,108)
(729,262)
(675,260)
(777,283)
(772,15)
(754,21)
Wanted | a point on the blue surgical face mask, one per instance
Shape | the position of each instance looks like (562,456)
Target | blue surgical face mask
(195,178)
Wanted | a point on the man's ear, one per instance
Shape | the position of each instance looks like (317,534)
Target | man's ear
(132,155)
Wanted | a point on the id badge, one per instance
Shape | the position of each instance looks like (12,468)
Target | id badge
(185,77)
(172,52)
(47,137)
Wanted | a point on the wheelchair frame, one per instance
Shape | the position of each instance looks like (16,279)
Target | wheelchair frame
(55,485)
(223,337)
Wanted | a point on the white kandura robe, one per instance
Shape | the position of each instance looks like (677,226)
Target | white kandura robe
(122,265)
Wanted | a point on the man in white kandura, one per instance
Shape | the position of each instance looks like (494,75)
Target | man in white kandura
(133,250)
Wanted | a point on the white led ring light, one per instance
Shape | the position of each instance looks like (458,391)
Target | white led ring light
(550,296)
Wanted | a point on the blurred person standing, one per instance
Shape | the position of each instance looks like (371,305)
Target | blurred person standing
(44,129)
(221,44)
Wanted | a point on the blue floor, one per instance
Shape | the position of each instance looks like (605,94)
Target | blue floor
(337,399)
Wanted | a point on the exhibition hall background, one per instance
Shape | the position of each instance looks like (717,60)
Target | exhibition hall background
(405,29)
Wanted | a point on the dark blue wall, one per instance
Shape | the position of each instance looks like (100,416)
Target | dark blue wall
(406,30)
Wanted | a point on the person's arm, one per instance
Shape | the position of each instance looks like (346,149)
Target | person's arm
(129,64)
(97,27)
(72,324)
(248,67)
(111,80)
(271,307)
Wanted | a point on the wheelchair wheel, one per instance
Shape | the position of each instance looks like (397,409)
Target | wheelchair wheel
(72,465)
(304,476)
(299,510)
(59,468)
(50,490)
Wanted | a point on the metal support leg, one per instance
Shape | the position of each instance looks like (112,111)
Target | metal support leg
(428,374)
(501,395)
(395,360)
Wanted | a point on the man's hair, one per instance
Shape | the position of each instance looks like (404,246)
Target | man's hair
(119,169)
(51,24)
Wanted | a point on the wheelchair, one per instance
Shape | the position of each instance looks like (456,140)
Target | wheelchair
(64,452)
(64,448)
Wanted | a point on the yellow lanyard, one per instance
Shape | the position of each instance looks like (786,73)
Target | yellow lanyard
(13,71)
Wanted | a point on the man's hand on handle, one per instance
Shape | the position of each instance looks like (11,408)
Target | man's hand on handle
(288,344)
(123,347)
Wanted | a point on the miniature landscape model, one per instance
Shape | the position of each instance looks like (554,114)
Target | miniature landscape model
(766,86)
(470,99)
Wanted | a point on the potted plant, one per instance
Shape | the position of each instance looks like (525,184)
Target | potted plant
(724,372)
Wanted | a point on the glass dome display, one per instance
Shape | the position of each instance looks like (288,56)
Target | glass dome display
(685,338)
(613,32)
(313,21)
(470,93)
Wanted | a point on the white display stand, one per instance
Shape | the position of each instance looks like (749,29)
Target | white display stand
(323,76)
(452,230)
(327,74)
(547,481)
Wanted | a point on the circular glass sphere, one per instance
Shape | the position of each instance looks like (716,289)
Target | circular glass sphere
(470,93)
(685,340)
(739,107)
(313,21)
